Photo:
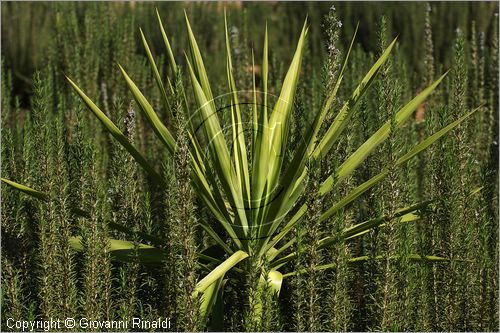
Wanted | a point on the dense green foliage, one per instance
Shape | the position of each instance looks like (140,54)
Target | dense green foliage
(53,144)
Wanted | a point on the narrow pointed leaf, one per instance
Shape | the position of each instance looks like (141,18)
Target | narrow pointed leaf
(331,98)
(405,158)
(160,130)
(414,257)
(124,251)
(219,152)
(117,134)
(261,151)
(25,189)
(198,65)
(278,136)
(209,297)
(383,133)
(342,118)
(433,138)
(170,54)
(159,81)
(255,118)
(220,270)
(240,153)
(279,121)
(288,227)
(216,238)
(370,224)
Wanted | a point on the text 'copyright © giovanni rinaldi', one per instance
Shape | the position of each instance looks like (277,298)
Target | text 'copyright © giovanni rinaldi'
(82,324)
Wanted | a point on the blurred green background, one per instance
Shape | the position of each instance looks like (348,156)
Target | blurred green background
(29,29)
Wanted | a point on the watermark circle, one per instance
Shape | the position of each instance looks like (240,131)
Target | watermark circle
(220,128)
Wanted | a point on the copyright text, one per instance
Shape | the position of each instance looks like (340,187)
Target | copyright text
(86,324)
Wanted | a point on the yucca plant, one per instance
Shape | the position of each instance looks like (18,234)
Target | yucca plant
(255,193)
